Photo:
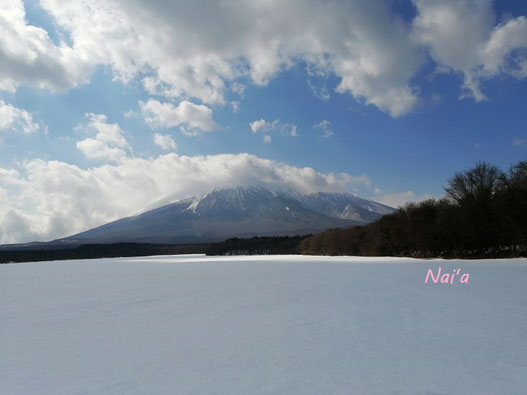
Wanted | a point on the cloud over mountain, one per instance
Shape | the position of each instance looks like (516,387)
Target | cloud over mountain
(48,199)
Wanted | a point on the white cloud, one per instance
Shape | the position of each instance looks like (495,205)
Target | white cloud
(16,119)
(267,139)
(183,50)
(165,142)
(96,149)
(50,199)
(327,133)
(110,133)
(520,142)
(235,106)
(191,118)
(324,124)
(238,88)
(325,128)
(461,37)
(377,58)
(109,141)
(130,114)
(8,175)
(261,125)
(319,86)
(496,53)
(29,57)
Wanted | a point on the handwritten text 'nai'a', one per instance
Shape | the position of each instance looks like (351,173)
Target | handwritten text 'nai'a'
(447,278)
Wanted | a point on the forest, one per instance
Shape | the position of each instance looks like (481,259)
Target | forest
(483,214)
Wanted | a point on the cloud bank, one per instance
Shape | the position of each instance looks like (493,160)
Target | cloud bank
(203,50)
(43,200)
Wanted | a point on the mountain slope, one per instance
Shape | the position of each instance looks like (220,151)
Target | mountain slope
(345,206)
(241,212)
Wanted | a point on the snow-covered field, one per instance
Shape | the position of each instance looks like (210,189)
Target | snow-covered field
(262,325)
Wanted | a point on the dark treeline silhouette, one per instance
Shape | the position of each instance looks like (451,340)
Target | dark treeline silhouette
(257,246)
(234,246)
(484,214)
(90,251)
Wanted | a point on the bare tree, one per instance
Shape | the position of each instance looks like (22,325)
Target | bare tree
(477,185)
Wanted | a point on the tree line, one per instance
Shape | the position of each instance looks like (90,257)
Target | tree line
(258,245)
(95,251)
(483,214)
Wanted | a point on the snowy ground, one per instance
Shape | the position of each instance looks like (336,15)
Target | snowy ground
(262,325)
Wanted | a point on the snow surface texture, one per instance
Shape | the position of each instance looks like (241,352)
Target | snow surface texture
(262,325)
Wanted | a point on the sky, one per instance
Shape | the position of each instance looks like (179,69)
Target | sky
(109,106)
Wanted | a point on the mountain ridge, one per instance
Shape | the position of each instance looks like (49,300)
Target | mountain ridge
(237,212)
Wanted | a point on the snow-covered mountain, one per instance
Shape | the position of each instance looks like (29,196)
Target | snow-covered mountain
(241,212)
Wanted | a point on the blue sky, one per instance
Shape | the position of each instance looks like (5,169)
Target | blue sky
(107,107)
